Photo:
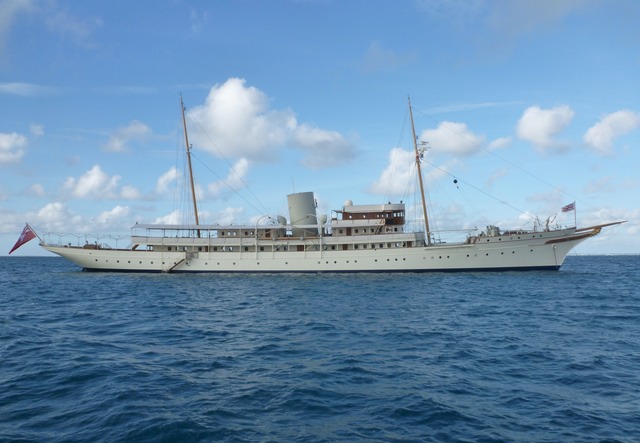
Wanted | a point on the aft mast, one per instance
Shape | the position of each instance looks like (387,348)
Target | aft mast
(419,170)
(188,147)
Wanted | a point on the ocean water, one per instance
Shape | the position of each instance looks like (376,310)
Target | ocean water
(470,357)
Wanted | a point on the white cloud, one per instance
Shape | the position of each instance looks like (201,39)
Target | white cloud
(93,183)
(227,216)
(324,148)
(11,147)
(452,138)
(399,175)
(233,181)
(238,118)
(165,179)
(540,126)
(115,214)
(57,217)
(80,29)
(601,135)
(236,121)
(97,184)
(500,143)
(129,192)
(26,89)
(174,218)
(495,177)
(38,190)
(135,131)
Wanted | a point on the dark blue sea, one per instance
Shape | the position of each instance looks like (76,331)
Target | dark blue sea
(469,357)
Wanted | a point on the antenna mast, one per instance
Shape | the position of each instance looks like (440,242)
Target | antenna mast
(418,154)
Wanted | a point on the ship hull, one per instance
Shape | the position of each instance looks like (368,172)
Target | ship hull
(543,252)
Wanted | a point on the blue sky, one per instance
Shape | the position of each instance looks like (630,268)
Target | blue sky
(526,106)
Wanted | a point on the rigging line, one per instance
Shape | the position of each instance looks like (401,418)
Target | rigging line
(515,165)
(480,190)
(228,185)
(219,151)
(394,162)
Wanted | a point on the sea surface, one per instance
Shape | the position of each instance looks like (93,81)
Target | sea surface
(469,357)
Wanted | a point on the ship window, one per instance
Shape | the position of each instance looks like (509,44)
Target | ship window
(169,248)
(200,248)
(246,248)
(339,231)
(262,248)
(355,246)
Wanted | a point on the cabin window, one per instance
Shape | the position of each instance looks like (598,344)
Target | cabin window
(222,233)
(356,231)
(262,248)
(333,247)
(246,248)
(340,231)
(169,248)
(199,248)
(355,246)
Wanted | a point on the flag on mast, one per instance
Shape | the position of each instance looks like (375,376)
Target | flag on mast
(27,235)
(570,207)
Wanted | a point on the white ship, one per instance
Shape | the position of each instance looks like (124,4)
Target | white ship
(358,238)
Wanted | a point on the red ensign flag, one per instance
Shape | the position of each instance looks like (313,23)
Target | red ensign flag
(27,235)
